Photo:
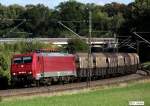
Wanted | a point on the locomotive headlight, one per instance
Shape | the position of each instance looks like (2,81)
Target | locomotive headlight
(14,73)
(30,72)
(22,66)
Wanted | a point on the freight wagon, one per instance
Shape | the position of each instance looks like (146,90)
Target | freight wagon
(46,68)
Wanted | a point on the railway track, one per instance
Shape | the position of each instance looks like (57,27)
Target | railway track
(140,75)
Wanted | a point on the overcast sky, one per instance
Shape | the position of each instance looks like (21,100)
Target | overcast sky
(53,3)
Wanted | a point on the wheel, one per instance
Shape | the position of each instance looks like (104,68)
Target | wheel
(37,83)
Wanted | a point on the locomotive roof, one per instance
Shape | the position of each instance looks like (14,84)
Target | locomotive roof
(44,54)
(54,54)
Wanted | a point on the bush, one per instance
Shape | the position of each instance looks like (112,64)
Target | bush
(77,45)
(3,63)
(3,74)
(146,65)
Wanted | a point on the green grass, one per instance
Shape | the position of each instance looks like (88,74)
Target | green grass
(118,96)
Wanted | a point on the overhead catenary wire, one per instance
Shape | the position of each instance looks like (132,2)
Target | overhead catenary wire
(146,41)
(16,27)
(77,35)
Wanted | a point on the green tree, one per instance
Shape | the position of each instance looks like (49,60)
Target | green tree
(101,22)
(142,4)
(77,45)
(114,8)
(72,11)
(8,16)
(37,20)
(136,18)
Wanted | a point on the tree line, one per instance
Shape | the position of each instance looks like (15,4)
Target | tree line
(41,21)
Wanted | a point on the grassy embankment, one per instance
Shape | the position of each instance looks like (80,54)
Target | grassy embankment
(112,96)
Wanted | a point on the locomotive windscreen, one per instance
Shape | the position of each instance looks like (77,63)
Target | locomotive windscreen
(18,60)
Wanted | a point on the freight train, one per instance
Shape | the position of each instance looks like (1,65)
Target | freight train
(46,68)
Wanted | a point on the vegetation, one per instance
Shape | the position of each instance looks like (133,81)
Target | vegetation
(41,21)
(119,96)
(77,45)
(146,66)
(3,72)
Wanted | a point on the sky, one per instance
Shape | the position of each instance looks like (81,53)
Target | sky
(54,3)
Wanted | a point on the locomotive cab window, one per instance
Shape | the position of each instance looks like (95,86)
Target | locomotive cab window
(17,60)
(27,59)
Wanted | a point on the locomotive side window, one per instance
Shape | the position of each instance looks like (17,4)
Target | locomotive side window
(17,60)
(27,59)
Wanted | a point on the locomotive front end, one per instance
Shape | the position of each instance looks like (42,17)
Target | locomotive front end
(21,68)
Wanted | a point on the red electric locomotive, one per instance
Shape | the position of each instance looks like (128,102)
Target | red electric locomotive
(26,68)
